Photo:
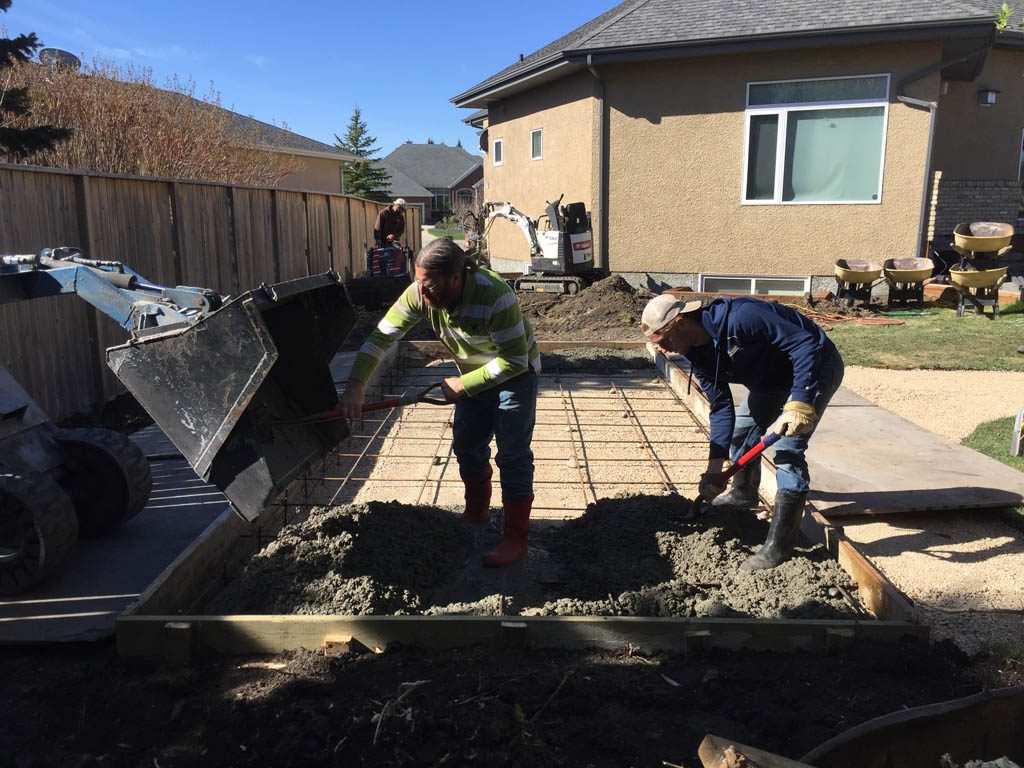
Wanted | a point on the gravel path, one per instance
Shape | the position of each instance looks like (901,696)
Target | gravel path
(961,569)
(949,403)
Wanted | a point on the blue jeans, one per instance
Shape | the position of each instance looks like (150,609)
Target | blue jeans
(506,412)
(761,409)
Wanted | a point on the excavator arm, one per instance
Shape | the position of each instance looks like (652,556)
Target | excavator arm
(520,219)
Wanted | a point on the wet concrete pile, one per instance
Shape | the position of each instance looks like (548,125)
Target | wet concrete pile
(628,556)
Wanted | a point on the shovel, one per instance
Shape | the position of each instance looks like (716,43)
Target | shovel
(700,504)
(407,398)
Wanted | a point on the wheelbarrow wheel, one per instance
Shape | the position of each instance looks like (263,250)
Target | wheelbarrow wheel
(106,475)
(38,529)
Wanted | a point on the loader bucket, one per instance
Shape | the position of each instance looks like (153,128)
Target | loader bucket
(220,387)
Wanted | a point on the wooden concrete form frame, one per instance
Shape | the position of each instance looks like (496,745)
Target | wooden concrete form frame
(160,625)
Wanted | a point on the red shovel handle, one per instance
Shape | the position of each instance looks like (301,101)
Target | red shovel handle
(766,442)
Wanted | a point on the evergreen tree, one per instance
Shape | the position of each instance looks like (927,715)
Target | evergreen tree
(14,102)
(364,179)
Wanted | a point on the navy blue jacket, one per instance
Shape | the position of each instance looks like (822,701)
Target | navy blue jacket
(763,345)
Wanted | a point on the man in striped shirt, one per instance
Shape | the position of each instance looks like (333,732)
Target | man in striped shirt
(477,317)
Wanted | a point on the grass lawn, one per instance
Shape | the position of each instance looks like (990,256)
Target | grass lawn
(454,234)
(993,439)
(940,341)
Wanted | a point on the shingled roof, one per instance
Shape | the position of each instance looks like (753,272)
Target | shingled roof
(271,137)
(643,25)
(435,166)
(401,185)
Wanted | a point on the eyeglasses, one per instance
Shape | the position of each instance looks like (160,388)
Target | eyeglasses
(429,286)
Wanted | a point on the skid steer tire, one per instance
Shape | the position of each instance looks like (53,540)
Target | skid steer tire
(38,530)
(107,477)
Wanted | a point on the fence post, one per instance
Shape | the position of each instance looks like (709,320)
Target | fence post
(275,235)
(87,231)
(176,234)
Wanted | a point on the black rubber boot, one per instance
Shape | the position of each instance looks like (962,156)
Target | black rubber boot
(782,534)
(742,493)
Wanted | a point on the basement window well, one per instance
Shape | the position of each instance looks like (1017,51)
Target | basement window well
(815,141)
(760,286)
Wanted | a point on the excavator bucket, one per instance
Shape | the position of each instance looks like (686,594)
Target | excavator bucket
(219,388)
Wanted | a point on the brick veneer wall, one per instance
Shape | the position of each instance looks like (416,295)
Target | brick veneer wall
(958,200)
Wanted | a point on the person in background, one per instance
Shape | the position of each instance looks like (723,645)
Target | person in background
(390,224)
(476,315)
(791,369)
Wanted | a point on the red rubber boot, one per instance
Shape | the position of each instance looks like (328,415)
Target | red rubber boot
(517,526)
(478,498)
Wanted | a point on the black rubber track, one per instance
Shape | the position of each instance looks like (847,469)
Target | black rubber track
(108,477)
(38,529)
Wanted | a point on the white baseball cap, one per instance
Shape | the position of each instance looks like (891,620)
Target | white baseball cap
(662,310)
(400,201)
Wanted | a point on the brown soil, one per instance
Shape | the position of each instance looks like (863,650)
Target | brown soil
(80,706)
(630,556)
(608,310)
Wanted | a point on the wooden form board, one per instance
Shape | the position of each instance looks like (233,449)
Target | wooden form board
(159,624)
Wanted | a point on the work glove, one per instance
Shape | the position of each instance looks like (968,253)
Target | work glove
(798,418)
(708,487)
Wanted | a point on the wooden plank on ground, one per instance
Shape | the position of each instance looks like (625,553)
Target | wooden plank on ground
(865,460)
(145,636)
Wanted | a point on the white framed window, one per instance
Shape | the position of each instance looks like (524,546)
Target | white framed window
(815,141)
(760,285)
(499,152)
(537,144)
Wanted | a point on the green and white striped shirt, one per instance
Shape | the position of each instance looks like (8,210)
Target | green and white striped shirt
(485,332)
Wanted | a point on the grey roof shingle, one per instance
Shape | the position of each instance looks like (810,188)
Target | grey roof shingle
(402,185)
(267,135)
(648,23)
(435,166)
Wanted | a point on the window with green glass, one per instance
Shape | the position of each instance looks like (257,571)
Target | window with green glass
(816,141)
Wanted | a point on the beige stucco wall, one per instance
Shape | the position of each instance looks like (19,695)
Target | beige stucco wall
(973,142)
(564,110)
(677,147)
(317,175)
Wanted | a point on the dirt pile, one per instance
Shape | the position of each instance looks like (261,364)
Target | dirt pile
(609,309)
(629,556)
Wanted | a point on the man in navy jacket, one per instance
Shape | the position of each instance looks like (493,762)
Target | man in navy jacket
(791,369)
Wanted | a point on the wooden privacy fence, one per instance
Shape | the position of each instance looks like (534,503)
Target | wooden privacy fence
(172,232)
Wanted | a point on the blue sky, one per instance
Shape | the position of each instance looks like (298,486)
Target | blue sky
(308,64)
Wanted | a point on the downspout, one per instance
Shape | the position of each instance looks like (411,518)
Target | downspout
(602,170)
(933,108)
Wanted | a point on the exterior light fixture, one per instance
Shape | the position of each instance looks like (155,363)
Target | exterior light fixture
(987,97)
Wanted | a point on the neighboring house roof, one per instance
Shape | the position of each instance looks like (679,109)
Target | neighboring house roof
(435,166)
(402,185)
(640,26)
(281,140)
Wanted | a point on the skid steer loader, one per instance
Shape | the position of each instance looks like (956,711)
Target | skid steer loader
(217,374)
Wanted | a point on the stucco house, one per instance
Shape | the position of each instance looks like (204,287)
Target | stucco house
(448,172)
(321,163)
(745,148)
